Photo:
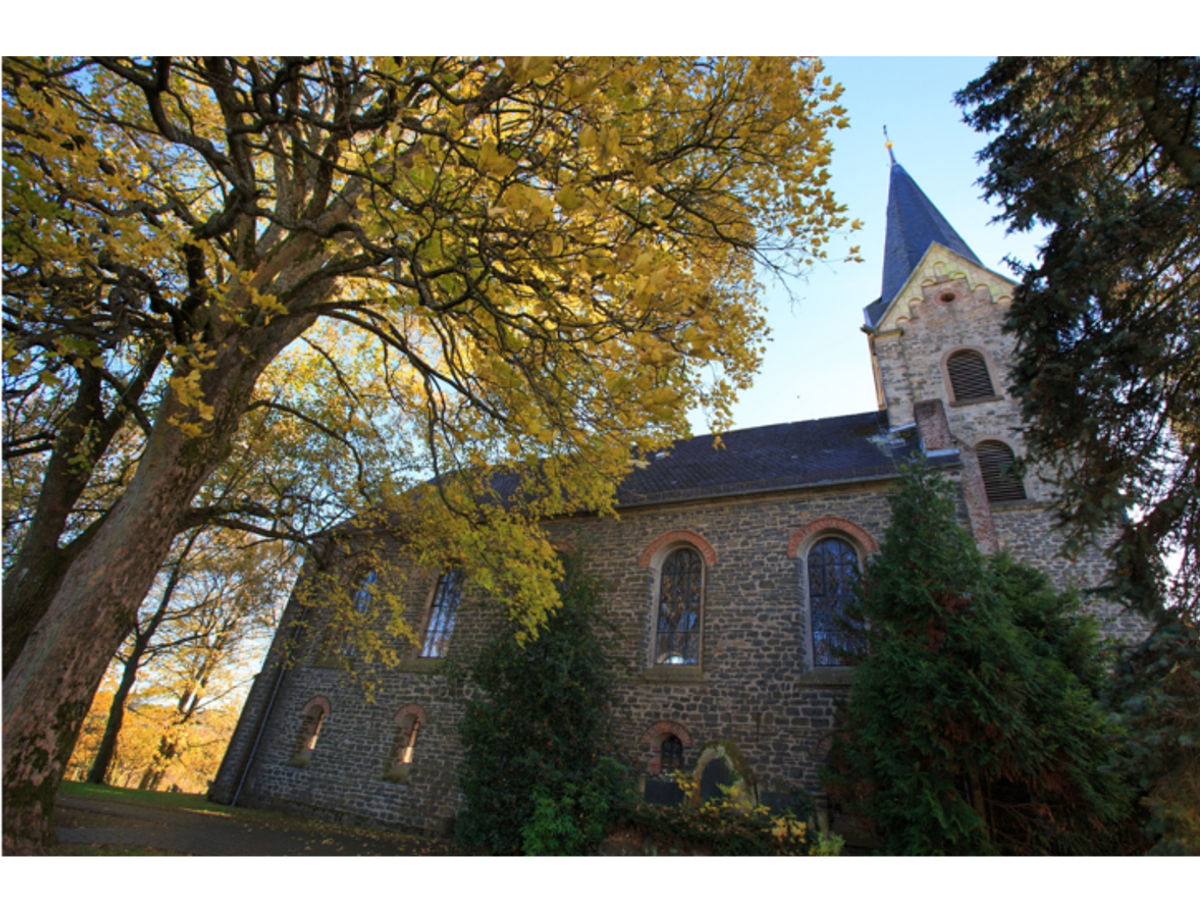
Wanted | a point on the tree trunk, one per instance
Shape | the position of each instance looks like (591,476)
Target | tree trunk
(41,562)
(98,773)
(50,687)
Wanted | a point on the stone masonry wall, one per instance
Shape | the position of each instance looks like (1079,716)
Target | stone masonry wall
(754,685)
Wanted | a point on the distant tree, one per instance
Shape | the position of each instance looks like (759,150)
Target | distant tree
(972,725)
(1106,153)
(218,595)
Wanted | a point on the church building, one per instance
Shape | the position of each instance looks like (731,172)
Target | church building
(725,574)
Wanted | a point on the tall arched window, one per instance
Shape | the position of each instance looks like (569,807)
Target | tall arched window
(443,610)
(1000,478)
(681,584)
(969,377)
(362,597)
(832,570)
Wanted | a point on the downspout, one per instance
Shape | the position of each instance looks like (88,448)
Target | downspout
(262,722)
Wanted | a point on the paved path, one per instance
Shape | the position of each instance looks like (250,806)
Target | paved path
(90,821)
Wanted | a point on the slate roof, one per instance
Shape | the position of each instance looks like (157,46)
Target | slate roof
(913,223)
(772,457)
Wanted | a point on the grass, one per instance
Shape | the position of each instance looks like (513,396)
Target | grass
(408,843)
(159,799)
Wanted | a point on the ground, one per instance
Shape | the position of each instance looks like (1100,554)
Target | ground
(91,820)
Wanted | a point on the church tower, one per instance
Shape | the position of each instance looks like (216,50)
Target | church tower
(941,358)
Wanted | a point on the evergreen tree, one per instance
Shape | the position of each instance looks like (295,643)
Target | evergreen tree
(972,725)
(538,773)
(1106,153)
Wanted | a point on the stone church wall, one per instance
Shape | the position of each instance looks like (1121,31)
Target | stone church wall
(753,687)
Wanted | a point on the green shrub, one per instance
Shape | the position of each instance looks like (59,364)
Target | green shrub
(538,773)
(726,826)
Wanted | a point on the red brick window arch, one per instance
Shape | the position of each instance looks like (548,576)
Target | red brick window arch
(314,713)
(666,744)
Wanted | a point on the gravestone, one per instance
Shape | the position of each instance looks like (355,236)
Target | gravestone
(716,774)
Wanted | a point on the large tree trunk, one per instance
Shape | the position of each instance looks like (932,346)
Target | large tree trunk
(49,689)
(42,561)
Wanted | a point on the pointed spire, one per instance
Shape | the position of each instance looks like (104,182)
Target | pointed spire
(913,223)
(887,142)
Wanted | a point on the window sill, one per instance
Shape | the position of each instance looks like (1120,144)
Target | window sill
(1003,505)
(993,399)
(420,665)
(301,760)
(397,774)
(673,675)
(827,675)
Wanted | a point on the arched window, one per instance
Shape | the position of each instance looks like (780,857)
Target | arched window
(310,726)
(670,755)
(677,636)
(362,602)
(969,378)
(832,571)
(409,720)
(362,597)
(1000,478)
(442,613)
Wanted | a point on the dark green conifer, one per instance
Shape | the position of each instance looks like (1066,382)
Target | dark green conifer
(972,725)
(538,774)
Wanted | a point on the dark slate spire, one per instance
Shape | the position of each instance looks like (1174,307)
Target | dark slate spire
(913,223)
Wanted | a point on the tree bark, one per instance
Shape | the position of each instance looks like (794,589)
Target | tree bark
(49,689)
(42,561)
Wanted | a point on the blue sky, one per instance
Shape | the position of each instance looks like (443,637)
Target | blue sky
(817,364)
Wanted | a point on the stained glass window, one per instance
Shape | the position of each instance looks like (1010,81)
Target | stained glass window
(832,570)
(678,634)
(362,597)
(442,614)
(671,757)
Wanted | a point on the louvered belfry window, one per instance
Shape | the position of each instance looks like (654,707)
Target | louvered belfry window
(678,636)
(832,571)
(1000,478)
(442,615)
(969,378)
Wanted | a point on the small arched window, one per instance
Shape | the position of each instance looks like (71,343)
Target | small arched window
(681,584)
(832,572)
(310,726)
(969,377)
(670,755)
(443,610)
(1000,478)
(408,723)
